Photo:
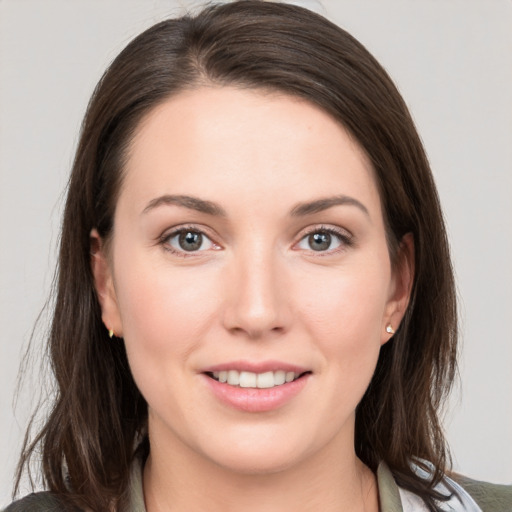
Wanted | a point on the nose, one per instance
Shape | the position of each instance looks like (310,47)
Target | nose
(257,303)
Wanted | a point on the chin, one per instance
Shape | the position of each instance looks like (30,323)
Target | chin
(262,463)
(258,455)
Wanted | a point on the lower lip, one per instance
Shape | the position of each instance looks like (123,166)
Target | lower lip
(256,399)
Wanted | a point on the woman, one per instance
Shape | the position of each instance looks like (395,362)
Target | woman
(255,305)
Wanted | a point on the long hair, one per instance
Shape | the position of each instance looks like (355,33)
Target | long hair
(98,415)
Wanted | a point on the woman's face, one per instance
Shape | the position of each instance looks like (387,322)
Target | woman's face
(249,245)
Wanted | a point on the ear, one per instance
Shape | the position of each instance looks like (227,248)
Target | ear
(401,287)
(104,285)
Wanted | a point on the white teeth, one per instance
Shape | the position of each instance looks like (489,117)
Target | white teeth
(233,378)
(247,380)
(279,377)
(255,380)
(265,380)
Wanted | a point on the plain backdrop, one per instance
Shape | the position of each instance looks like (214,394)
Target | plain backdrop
(452,60)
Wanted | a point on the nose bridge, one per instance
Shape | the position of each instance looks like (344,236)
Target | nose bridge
(257,304)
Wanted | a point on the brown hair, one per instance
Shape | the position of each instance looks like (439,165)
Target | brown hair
(98,413)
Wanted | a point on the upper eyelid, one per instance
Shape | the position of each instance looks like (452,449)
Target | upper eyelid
(169,232)
(213,236)
(346,239)
(164,239)
(325,227)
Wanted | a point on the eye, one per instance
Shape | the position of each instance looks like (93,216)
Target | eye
(188,240)
(323,240)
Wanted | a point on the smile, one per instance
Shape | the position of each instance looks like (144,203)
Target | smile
(246,379)
(256,386)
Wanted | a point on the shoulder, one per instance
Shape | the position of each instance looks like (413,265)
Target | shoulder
(463,494)
(489,497)
(40,502)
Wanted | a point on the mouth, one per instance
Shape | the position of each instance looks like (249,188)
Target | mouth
(256,386)
(247,379)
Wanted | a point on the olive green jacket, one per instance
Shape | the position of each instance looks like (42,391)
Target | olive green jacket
(489,497)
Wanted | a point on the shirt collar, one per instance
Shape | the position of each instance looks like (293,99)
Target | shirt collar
(389,495)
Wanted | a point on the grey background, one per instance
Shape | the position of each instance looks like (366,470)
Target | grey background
(451,59)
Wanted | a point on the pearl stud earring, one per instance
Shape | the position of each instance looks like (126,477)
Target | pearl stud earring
(390,329)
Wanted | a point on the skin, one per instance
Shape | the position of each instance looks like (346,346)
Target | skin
(255,291)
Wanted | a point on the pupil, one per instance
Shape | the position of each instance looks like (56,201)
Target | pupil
(190,241)
(320,241)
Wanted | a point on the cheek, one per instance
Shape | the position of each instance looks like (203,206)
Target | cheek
(163,309)
(165,314)
(343,317)
(348,307)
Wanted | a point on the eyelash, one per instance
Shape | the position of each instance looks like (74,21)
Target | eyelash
(345,239)
(164,241)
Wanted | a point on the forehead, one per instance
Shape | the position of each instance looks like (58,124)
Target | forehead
(244,140)
(196,107)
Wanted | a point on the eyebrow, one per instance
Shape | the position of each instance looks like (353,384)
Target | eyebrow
(211,208)
(319,205)
(192,203)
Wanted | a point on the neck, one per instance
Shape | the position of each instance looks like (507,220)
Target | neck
(330,482)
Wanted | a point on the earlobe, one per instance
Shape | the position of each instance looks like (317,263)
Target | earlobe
(104,285)
(403,278)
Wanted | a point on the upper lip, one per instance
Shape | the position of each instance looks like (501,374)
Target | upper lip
(256,367)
